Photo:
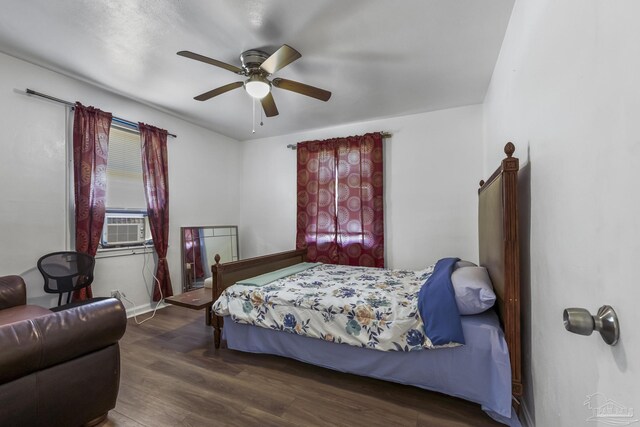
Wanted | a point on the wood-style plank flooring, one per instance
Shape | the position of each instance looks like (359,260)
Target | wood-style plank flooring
(173,376)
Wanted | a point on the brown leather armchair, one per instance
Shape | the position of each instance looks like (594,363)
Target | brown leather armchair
(57,368)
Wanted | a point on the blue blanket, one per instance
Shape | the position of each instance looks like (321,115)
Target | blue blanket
(437,305)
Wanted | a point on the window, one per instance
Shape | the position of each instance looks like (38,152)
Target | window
(126,223)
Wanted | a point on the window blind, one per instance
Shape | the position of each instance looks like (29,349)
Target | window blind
(125,187)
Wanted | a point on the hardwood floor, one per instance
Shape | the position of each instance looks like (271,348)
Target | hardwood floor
(173,376)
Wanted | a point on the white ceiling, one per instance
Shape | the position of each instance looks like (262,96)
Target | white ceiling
(379,58)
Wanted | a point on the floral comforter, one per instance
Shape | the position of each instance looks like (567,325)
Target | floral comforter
(364,307)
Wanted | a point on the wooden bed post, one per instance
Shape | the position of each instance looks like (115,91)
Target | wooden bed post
(500,253)
(510,167)
(216,321)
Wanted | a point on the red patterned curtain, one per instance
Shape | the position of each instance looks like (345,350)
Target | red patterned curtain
(90,149)
(316,216)
(340,200)
(360,213)
(156,188)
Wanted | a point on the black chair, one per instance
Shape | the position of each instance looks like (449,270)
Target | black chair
(66,272)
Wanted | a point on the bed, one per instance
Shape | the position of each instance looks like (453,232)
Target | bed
(486,370)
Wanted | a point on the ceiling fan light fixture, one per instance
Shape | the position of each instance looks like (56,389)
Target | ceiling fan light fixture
(257,86)
(257,67)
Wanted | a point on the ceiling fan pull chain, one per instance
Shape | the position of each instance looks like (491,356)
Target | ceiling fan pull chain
(261,124)
(253,122)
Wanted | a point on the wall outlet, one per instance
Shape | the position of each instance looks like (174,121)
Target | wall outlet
(116,294)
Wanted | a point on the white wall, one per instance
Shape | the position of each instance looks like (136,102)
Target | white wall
(203,165)
(432,167)
(566,91)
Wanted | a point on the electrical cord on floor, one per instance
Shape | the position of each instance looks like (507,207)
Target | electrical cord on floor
(144,266)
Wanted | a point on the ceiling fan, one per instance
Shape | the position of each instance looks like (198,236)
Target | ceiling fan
(258,66)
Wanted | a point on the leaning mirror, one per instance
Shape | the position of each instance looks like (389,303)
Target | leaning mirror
(199,246)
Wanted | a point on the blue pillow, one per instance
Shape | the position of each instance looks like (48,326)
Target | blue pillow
(422,274)
(473,289)
(463,263)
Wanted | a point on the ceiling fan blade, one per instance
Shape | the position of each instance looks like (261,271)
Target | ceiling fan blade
(301,88)
(269,105)
(218,91)
(211,61)
(280,58)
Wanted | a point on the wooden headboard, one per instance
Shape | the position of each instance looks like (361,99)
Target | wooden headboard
(500,254)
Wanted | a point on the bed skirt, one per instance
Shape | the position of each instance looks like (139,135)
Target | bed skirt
(478,371)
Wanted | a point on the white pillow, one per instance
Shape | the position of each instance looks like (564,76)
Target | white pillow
(473,289)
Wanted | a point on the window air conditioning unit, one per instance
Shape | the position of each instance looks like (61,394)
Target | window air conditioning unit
(122,229)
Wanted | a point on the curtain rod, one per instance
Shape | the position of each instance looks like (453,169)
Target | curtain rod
(384,135)
(71,104)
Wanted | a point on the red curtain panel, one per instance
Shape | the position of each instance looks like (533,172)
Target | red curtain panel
(360,213)
(316,225)
(90,150)
(340,216)
(156,188)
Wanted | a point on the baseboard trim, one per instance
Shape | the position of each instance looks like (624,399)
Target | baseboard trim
(526,420)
